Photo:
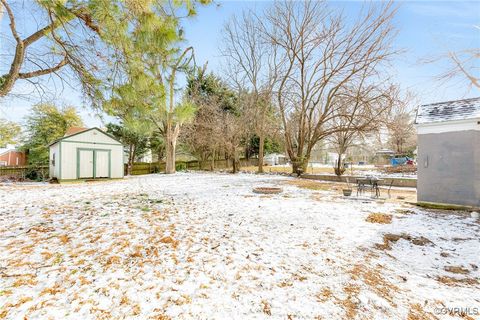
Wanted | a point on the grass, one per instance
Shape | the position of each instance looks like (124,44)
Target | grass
(310,184)
(442,206)
(311,170)
(278,169)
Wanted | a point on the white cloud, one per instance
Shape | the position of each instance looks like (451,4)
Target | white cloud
(451,9)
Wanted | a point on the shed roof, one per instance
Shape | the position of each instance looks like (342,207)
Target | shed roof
(73,130)
(448,111)
(83,131)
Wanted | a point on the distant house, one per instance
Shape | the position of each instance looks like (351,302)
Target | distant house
(10,156)
(448,156)
(274,159)
(86,154)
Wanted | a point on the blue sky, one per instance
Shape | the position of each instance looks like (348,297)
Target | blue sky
(426,30)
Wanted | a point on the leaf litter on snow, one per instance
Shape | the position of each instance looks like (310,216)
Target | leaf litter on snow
(186,246)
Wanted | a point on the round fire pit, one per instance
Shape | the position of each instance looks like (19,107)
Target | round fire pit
(267,190)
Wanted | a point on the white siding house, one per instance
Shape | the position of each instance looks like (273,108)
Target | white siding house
(88,154)
(274,159)
(449,152)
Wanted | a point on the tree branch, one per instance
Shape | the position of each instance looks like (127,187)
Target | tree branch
(42,72)
(12,21)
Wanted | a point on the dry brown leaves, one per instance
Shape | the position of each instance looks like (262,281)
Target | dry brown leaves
(388,238)
(416,312)
(379,218)
(6,308)
(450,281)
(266,308)
(29,280)
(324,295)
(373,278)
(170,240)
(457,269)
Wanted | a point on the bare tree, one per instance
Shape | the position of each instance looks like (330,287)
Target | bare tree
(401,130)
(361,111)
(212,127)
(464,64)
(250,59)
(317,56)
(233,133)
(204,135)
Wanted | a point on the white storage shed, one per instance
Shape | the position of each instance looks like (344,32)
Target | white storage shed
(86,154)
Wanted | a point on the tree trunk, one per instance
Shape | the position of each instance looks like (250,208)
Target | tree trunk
(212,165)
(260,152)
(160,157)
(235,161)
(171,141)
(299,166)
(339,169)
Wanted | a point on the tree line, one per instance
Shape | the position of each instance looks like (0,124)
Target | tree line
(296,75)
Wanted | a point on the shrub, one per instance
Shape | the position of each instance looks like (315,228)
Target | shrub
(181,166)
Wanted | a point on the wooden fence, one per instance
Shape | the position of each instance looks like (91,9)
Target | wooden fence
(33,172)
(147,168)
(40,172)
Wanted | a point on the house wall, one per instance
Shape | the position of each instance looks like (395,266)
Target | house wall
(13,158)
(53,169)
(91,136)
(449,167)
(69,158)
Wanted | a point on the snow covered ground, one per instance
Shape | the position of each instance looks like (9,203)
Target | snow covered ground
(203,246)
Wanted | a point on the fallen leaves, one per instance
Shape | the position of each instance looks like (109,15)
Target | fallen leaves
(112,259)
(457,269)
(451,281)
(266,308)
(416,312)
(25,281)
(170,240)
(388,238)
(41,228)
(84,281)
(53,290)
(136,310)
(64,239)
(324,295)
(381,218)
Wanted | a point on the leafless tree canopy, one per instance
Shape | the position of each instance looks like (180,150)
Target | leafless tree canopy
(464,64)
(250,63)
(361,111)
(318,58)
(400,124)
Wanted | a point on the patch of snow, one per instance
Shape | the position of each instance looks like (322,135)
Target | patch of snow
(202,245)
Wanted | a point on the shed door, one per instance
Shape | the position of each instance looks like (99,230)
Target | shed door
(85,164)
(101,164)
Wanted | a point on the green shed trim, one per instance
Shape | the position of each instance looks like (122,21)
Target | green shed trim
(100,143)
(94,161)
(94,128)
(59,161)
